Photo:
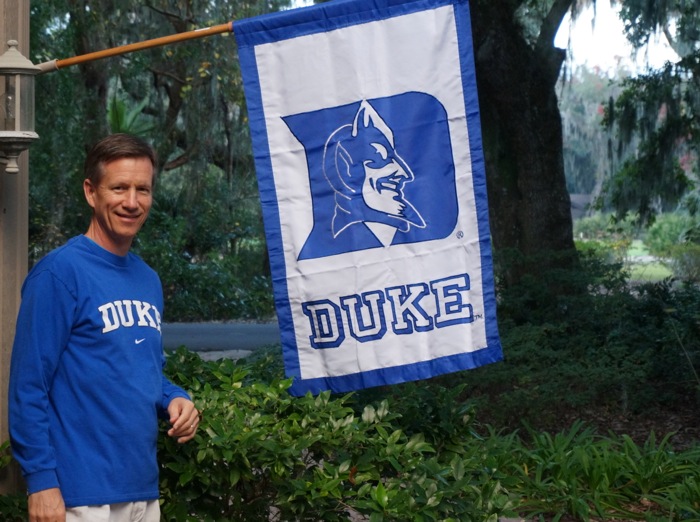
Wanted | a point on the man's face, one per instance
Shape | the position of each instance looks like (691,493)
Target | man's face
(121,202)
(385,175)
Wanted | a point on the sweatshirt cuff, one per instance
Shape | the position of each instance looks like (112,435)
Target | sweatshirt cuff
(174,395)
(41,480)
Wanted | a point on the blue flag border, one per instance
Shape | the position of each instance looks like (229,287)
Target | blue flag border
(333,15)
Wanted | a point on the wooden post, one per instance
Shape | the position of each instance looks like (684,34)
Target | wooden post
(14,226)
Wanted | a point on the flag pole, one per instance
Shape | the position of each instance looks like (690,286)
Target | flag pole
(54,65)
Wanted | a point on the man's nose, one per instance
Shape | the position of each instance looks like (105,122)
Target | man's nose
(131,198)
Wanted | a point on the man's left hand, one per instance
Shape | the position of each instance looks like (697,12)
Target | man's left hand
(184,419)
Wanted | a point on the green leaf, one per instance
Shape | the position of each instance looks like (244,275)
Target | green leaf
(457,466)
(379,494)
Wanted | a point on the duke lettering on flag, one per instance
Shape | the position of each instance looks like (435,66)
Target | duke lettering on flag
(367,145)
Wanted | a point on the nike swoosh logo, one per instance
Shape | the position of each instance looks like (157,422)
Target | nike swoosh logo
(139,341)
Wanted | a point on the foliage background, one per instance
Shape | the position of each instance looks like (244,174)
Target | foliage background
(606,349)
(205,234)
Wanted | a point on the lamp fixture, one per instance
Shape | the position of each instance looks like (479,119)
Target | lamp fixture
(16,105)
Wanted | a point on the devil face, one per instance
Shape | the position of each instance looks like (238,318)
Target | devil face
(368,175)
(375,172)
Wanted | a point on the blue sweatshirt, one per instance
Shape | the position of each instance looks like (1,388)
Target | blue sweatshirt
(86,378)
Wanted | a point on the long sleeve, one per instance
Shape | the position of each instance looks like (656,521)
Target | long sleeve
(170,391)
(43,328)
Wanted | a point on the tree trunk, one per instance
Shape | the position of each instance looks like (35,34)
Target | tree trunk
(529,206)
(95,75)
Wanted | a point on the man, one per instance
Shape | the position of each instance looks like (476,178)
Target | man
(86,381)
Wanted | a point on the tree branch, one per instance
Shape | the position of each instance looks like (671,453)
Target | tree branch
(175,19)
(552,22)
(177,162)
(167,74)
(551,56)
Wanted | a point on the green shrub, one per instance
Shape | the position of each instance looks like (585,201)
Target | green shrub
(605,227)
(667,231)
(685,261)
(605,252)
(612,348)
(13,508)
(579,474)
(409,452)
(263,455)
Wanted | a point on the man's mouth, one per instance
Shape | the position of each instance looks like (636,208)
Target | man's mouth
(129,217)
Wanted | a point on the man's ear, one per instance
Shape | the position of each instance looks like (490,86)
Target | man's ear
(89,190)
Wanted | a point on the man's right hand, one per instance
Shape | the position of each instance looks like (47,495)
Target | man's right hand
(47,506)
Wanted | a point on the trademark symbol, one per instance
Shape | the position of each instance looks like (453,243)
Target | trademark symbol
(460,234)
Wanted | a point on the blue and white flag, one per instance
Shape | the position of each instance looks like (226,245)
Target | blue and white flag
(365,125)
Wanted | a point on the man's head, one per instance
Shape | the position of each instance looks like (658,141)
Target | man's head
(119,175)
(113,147)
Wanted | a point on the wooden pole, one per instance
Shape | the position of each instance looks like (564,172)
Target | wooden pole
(54,65)
(14,237)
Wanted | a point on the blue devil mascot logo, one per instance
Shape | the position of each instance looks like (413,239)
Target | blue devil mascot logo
(380,173)
(367,175)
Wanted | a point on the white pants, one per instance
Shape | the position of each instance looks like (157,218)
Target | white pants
(148,511)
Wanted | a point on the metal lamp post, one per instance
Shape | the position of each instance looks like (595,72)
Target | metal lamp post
(16,105)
